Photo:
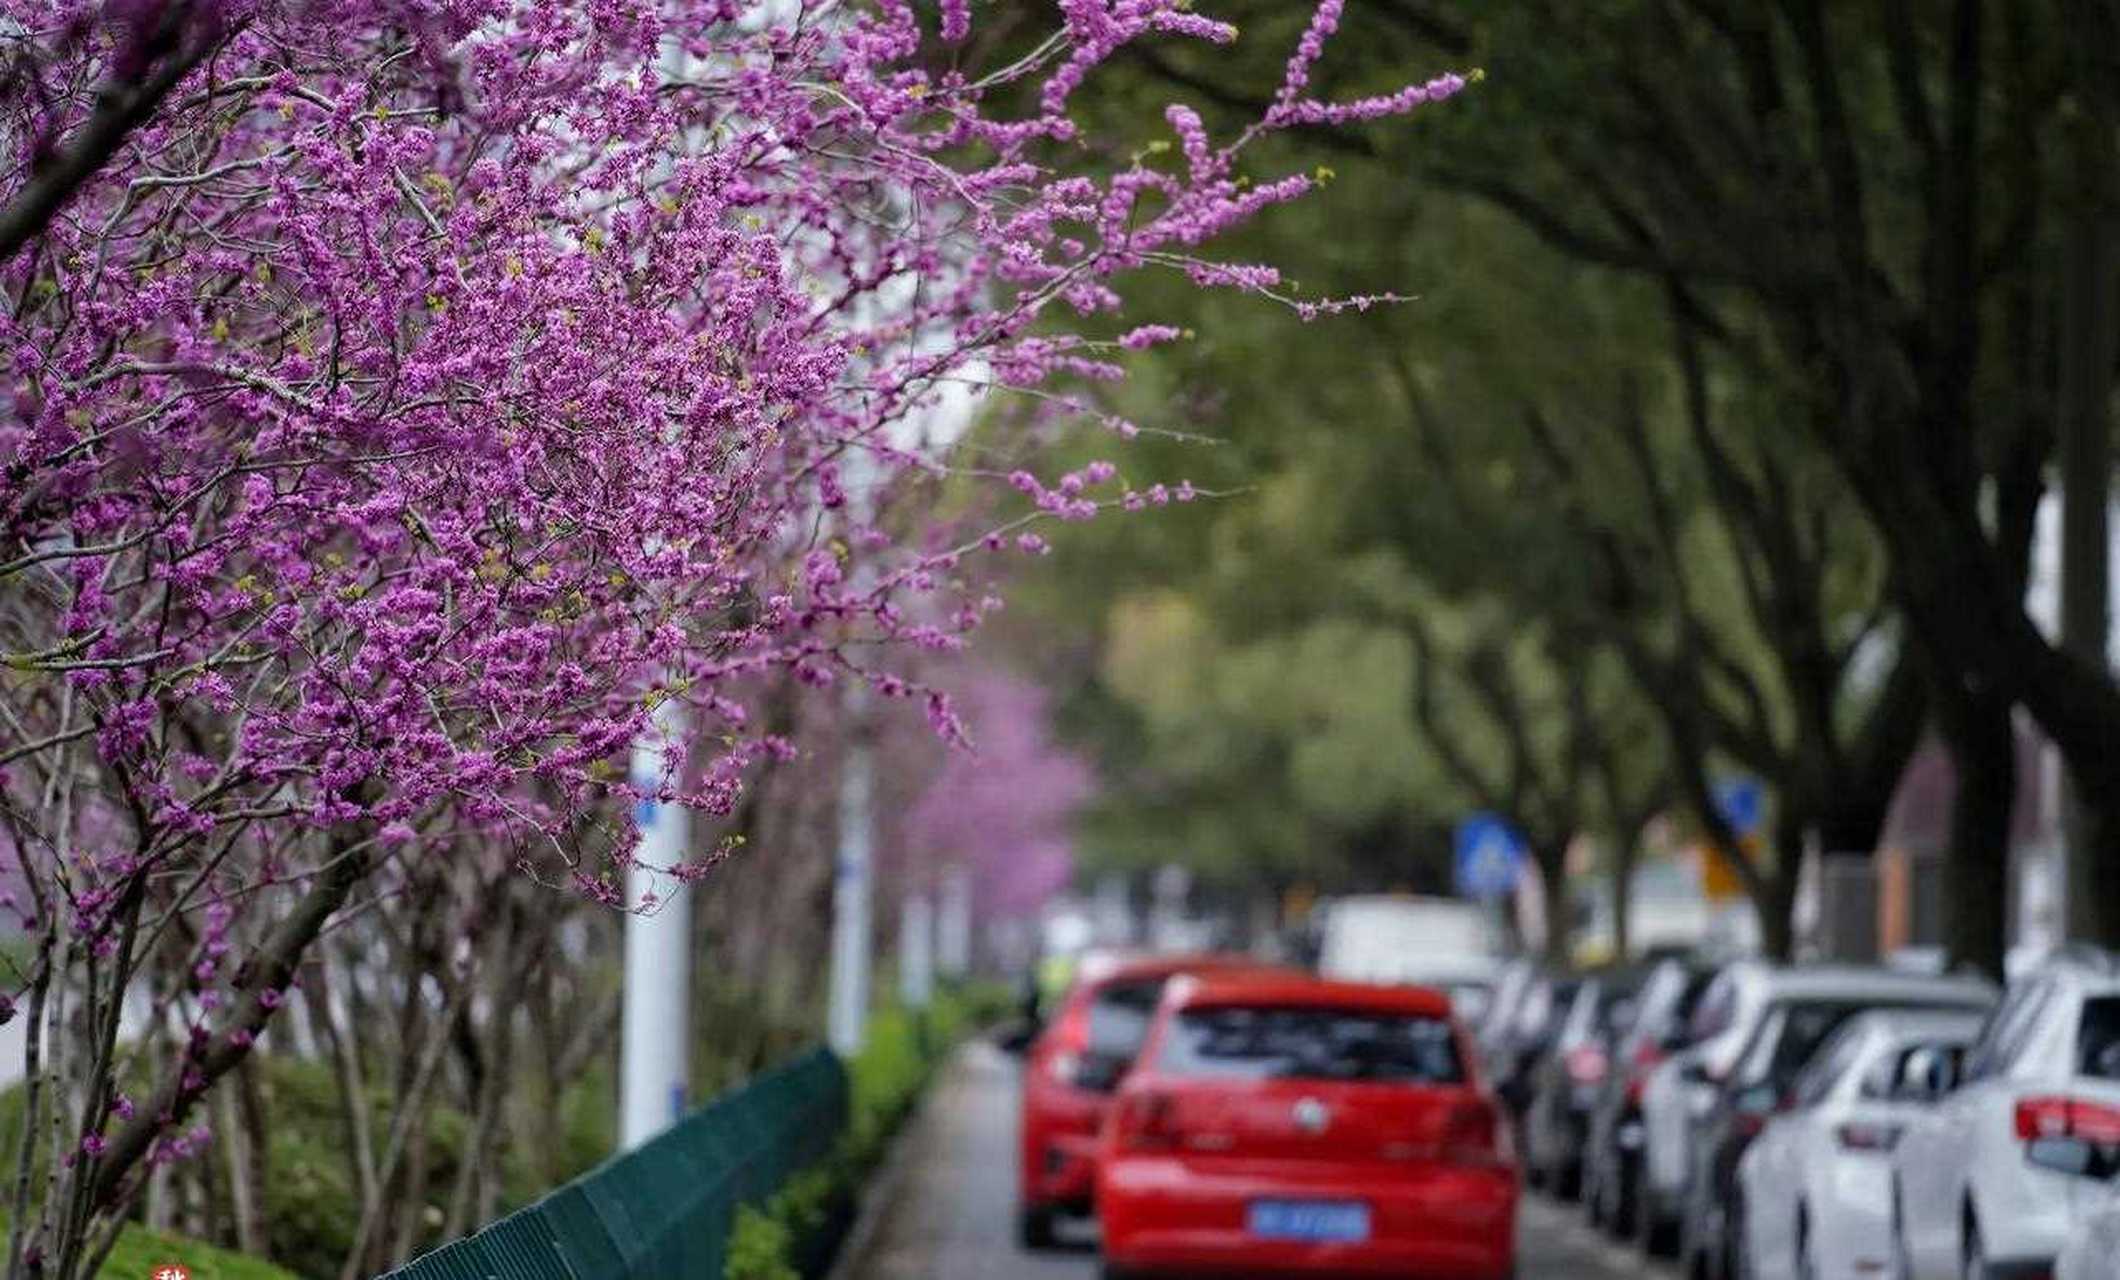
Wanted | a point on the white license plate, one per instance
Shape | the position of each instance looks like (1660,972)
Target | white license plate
(1336,1221)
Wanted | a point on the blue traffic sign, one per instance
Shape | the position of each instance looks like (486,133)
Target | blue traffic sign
(1742,802)
(1490,857)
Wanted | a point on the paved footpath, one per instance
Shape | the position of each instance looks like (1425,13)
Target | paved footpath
(947,1201)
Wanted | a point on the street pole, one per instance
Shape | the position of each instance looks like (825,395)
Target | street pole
(953,928)
(655,1040)
(850,889)
(916,950)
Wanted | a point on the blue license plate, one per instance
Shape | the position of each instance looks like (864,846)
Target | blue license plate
(1337,1221)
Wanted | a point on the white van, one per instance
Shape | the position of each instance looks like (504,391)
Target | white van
(1433,942)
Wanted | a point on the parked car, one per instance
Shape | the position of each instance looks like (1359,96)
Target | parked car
(2093,1250)
(1299,1125)
(1512,1066)
(1569,1078)
(1612,1155)
(2020,1145)
(1069,1075)
(1803,1008)
(1514,982)
(1722,1021)
(1814,1191)
(1436,942)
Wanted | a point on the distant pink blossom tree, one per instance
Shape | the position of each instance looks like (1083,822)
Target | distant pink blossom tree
(1003,810)
(405,397)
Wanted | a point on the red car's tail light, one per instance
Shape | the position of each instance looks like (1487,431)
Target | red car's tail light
(1475,1136)
(1586,1064)
(1147,1122)
(1867,1137)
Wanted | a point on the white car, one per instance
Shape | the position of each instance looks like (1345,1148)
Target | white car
(1816,1186)
(1723,1021)
(1514,981)
(2019,1148)
(2093,1253)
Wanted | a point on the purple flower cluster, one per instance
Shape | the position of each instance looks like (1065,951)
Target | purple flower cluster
(429,389)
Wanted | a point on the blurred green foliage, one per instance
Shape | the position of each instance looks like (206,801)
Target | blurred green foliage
(900,1052)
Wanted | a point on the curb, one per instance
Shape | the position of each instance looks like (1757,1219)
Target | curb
(882,1188)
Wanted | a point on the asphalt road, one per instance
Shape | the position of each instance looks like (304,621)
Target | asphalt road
(944,1209)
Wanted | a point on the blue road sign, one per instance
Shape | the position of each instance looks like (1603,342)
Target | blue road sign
(1490,857)
(1741,802)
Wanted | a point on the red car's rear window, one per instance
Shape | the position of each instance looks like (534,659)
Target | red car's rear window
(1311,1044)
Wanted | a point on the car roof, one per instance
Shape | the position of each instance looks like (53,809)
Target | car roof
(1291,989)
(1914,1024)
(2095,971)
(1146,968)
(1630,976)
(1832,982)
(1746,973)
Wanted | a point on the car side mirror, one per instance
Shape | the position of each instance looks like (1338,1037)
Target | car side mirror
(1016,1037)
(1757,1100)
(1929,1075)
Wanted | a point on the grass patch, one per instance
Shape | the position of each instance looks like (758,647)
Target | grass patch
(140,1252)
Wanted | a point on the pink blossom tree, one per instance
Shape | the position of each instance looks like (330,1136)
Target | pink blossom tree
(406,397)
(1003,810)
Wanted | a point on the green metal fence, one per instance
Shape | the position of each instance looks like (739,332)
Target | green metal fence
(664,1211)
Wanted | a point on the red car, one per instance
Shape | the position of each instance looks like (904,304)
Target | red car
(1069,1076)
(1284,1125)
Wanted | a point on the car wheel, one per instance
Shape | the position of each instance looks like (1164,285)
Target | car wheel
(1902,1259)
(1701,1256)
(1034,1227)
(1566,1181)
(1656,1234)
(1624,1219)
(1730,1257)
(1111,1272)
(1690,1263)
(1973,1264)
(1737,1255)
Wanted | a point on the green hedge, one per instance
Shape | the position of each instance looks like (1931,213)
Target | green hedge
(140,1252)
(796,1232)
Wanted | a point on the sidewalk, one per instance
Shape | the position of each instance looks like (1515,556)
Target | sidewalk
(945,1209)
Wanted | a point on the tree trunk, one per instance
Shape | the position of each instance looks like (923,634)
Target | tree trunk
(1623,853)
(2089,331)
(1774,903)
(2094,858)
(351,1085)
(1983,746)
(1553,884)
(234,1148)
